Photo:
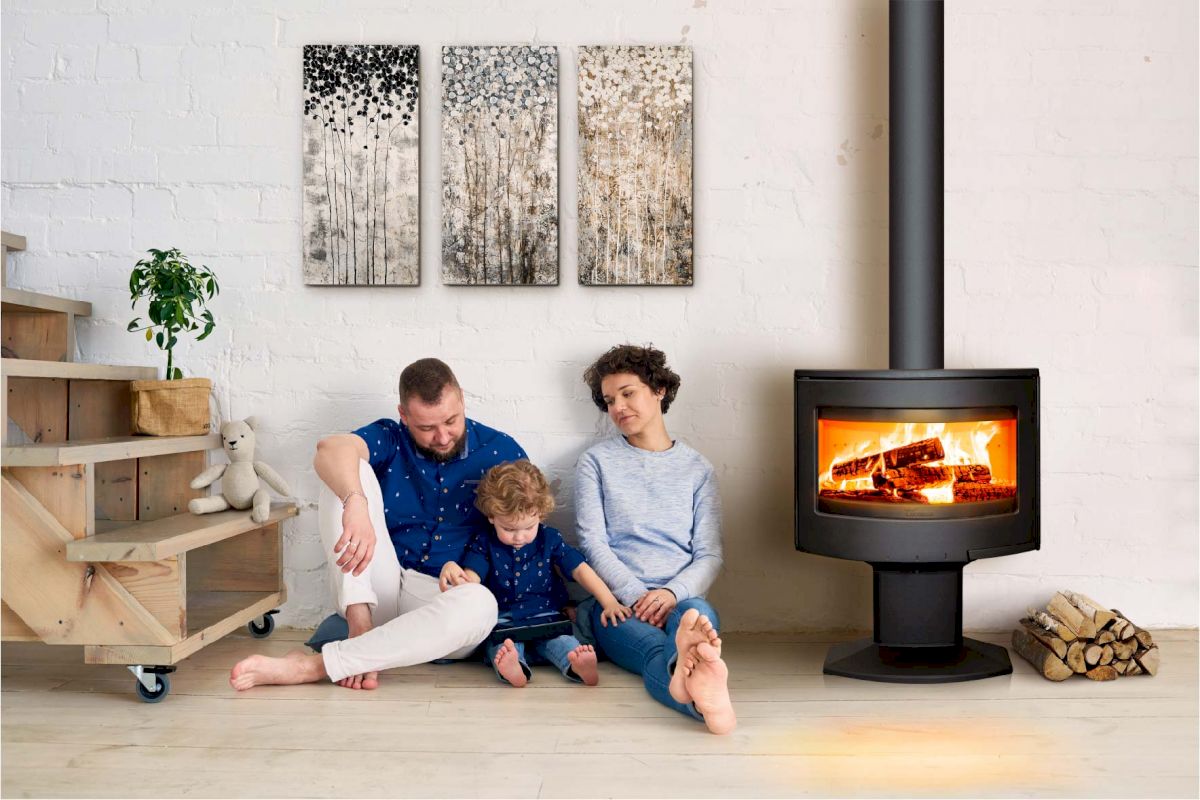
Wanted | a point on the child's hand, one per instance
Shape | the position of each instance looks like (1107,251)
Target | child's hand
(453,575)
(472,576)
(616,613)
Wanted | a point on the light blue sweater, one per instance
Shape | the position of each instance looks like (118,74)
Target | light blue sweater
(648,520)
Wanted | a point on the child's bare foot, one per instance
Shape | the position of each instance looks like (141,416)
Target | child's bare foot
(295,667)
(694,628)
(583,662)
(508,664)
(358,618)
(708,685)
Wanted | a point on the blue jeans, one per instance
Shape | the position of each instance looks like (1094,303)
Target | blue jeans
(553,651)
(646,650)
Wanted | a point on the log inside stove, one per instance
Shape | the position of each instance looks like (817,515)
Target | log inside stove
(900,473)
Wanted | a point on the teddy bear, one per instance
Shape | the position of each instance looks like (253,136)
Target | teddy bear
(240,488)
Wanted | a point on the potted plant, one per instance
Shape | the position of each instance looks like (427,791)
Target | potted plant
(177,293)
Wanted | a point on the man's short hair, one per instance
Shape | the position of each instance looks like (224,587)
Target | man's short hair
(427,379)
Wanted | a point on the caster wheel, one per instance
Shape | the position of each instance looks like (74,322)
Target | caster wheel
(162,686)
(264,630)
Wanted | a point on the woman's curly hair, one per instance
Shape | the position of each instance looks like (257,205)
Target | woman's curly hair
(514,488)
(647,363)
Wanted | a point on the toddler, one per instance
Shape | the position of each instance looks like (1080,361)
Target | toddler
(517,562)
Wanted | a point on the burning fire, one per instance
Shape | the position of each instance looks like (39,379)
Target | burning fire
(921,462)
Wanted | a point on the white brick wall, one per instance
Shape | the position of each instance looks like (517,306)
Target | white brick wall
(1071,245)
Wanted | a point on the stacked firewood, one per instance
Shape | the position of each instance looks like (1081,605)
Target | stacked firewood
(1075,635)
(898,475)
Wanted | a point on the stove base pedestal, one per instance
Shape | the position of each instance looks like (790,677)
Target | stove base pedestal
(865,660)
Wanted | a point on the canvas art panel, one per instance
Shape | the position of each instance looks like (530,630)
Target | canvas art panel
(361,170)
(635,166)
(500,165)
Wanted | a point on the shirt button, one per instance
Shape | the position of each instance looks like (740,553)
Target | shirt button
(439,519)
(445,491)
(424,558)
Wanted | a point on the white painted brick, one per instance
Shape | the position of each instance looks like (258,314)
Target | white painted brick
(76,29)
(246,29)
(320,29)
(65,98)
(150,203)
(159,63)
(23,60)
(138,96)
(169,132)
(75,63)
(85,132)
(115,62)
(143,29)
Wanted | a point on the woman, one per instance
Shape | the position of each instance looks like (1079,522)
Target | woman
(648,519)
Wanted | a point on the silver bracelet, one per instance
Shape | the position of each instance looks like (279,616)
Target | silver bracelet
(351,493)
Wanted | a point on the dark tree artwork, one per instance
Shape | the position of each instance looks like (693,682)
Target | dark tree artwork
(361,170)
(500,165)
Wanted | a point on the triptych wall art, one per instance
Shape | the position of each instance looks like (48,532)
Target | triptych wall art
(499,157)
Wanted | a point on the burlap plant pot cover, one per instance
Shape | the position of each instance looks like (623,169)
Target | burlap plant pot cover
(171,408)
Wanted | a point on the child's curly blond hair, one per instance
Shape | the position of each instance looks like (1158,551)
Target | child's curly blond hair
(514,488)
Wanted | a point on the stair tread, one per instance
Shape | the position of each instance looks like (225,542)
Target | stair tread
(116,448)
(162,538)
(75,370)
(22,300)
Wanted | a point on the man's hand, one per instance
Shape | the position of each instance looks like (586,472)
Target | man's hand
(614,612)
(654,606)
(357,544)
(454,575)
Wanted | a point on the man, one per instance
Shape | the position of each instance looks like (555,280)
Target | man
(398,503)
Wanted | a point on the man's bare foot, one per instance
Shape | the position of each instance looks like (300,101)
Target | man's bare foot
(708,685)
(508,664)
(358,617)
(295,667)
(583,663)
(694,628)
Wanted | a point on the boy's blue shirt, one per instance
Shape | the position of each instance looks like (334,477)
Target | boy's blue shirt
(524,581)
(430,506)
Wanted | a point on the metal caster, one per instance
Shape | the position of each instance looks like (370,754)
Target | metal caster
(153,684)
(264,630)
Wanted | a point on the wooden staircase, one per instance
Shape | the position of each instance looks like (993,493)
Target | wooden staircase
(98,547)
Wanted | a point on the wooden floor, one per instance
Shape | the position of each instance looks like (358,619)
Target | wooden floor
(437,731)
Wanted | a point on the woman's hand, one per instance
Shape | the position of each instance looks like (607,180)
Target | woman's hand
(357,544)
(614,612)
(654,606)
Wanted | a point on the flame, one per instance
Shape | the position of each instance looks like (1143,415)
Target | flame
(984,442)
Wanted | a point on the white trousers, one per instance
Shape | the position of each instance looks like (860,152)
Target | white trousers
(414,621)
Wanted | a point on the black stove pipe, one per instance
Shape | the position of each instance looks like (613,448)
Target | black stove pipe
(916,281)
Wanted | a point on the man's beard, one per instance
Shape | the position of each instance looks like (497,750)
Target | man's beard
(449,455)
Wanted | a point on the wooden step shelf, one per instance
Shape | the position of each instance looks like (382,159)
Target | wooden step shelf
(22,301)
(73,370)
(116,448)
(162,538)
(99,549)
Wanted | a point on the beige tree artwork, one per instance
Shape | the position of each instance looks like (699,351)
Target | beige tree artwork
(500,165)
(635,166)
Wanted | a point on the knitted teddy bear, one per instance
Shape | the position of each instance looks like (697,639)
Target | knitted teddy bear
(240,488)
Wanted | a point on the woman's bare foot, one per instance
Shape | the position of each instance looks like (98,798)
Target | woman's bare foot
(694,628)
(295,667)
(508,664)
(583,663)
(358,618)
(707,682)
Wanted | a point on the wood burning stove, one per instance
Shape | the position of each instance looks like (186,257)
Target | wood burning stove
(917,470)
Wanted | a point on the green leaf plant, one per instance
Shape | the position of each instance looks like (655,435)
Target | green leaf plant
(177,292)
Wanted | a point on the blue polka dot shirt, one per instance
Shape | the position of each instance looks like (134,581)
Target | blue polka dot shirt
(523,580)
(430,506)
